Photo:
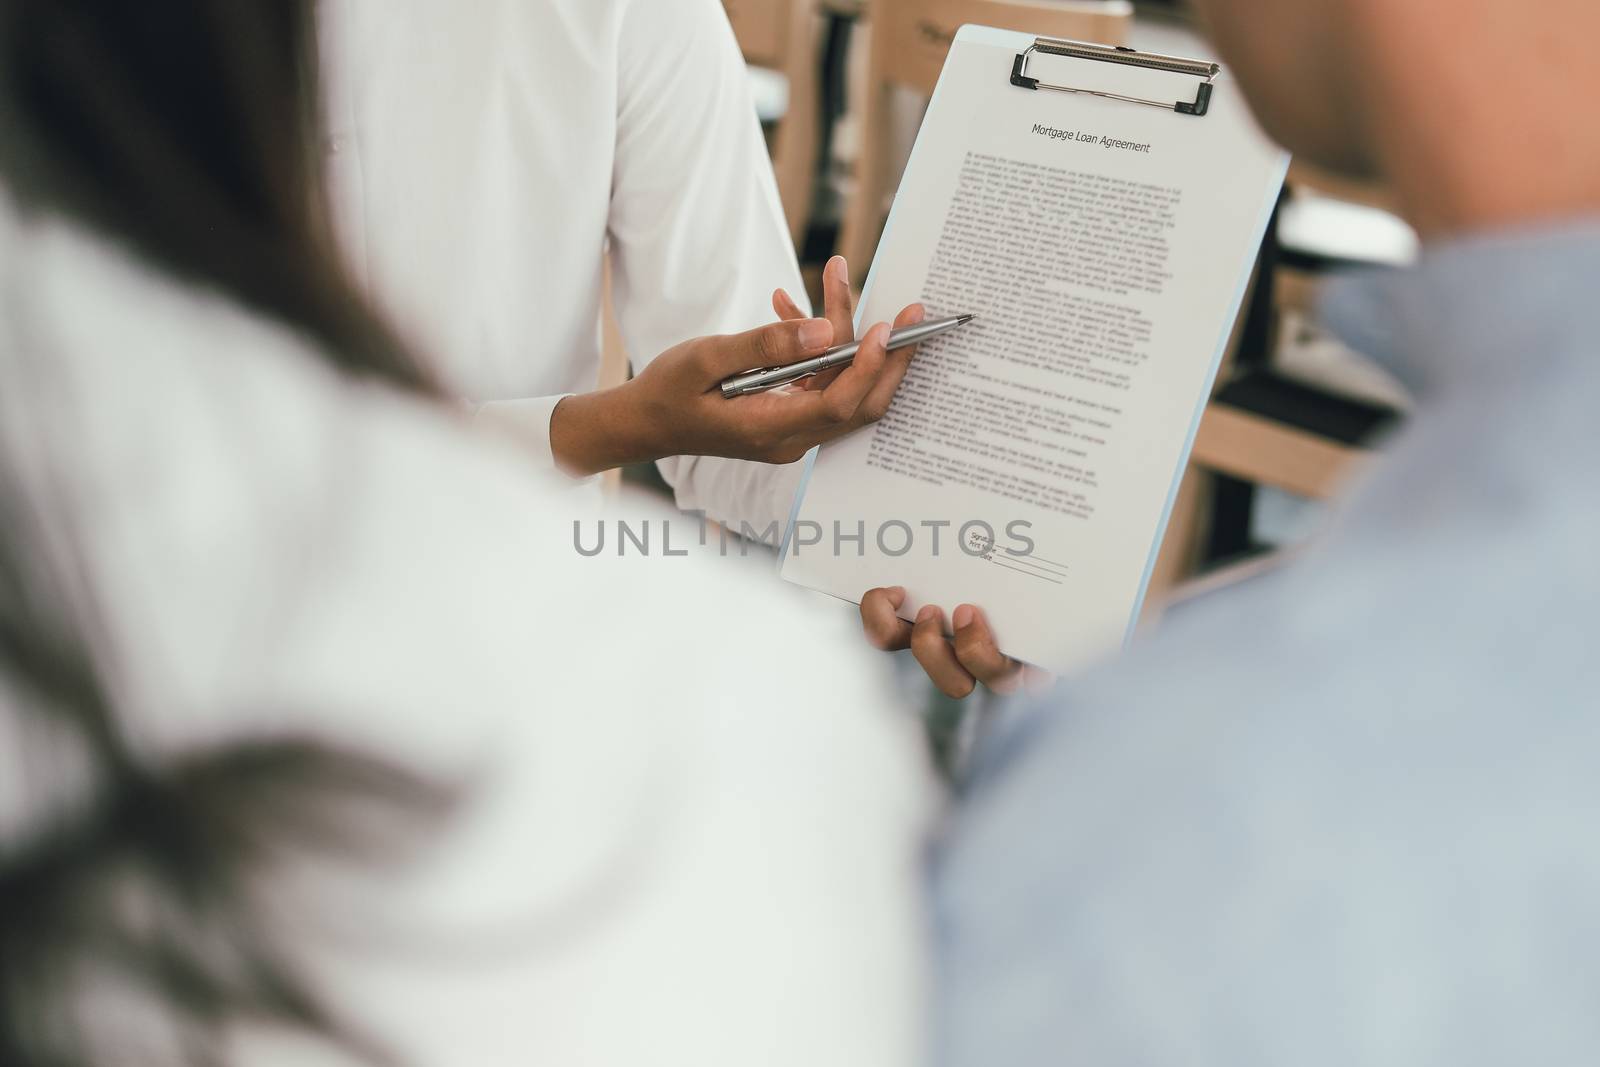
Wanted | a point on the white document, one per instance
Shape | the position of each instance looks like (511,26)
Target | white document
(1030,459)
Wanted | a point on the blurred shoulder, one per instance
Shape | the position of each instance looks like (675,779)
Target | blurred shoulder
(1282,791)
(269,534)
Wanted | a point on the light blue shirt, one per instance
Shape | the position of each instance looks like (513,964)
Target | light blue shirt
(1347,814)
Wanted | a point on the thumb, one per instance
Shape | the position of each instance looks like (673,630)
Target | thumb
(772,345)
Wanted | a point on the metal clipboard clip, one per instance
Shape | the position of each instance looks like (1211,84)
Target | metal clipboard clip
(1127,57)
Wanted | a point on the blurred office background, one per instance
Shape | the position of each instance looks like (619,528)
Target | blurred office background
(840,87)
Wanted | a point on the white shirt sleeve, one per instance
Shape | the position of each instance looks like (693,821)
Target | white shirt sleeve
(698,236)
(527,421)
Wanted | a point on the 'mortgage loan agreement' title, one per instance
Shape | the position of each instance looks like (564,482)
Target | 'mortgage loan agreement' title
(1089,138)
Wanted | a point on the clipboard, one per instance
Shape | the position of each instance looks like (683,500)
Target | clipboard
(1121,56)
(1074,407)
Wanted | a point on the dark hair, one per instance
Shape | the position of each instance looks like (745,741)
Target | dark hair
(187,131)
(190,130)
(139,884)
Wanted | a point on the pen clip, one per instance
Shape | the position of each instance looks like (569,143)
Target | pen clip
(740,386)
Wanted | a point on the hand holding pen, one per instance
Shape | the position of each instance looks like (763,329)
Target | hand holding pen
(886,364)
(675,405)
(821,371)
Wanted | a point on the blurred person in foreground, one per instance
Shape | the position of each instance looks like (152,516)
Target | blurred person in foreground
(318,741)
(1345,815)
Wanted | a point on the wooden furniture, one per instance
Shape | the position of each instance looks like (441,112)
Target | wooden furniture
(1263,429)
(910,39)
(1276,422)
(1246,446)
(781,36)
(1264,451)
(1181,549)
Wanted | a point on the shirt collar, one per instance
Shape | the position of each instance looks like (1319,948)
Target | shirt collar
(1477,308)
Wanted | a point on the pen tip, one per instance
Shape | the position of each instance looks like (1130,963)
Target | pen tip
(966,319)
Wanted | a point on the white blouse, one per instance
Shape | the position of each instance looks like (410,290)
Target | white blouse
(663,857)
(483,155)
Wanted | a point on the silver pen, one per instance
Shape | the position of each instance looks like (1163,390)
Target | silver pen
(759,381)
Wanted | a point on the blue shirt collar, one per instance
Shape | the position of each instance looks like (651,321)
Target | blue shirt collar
(1478,308)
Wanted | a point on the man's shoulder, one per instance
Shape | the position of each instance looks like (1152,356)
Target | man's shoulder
(1380,744)
(1421,616)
